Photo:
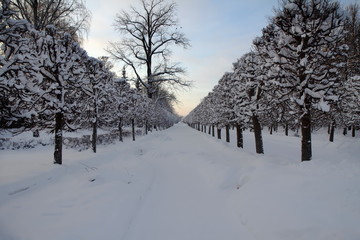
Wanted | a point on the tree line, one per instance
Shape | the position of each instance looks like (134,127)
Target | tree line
(48,81)
(303,73)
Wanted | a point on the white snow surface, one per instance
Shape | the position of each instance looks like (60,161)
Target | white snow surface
(181,184)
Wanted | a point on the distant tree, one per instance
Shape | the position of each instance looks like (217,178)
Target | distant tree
(243,113)
(210,114)
(121,97)
(163,101)
(96,82)
(352,39)
(148,35)
(225,104)
(351,90)
(254,86)
(69,16)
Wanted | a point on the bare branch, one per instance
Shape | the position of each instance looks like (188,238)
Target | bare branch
(148,34)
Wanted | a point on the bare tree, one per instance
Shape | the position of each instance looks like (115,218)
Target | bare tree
(148,34)
(69,16)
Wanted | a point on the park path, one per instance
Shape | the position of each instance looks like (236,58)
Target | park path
(186,198)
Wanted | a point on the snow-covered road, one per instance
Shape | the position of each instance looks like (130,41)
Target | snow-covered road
(183,201)
(181,184)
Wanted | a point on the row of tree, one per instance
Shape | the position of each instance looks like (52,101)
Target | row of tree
(303,72)
(48,81)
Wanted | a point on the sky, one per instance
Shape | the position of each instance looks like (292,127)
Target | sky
(220,32)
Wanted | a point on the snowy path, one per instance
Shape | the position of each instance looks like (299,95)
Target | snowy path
(183,202)
(181,184)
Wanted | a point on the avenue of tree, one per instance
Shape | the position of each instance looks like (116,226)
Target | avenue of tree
(48,81)
(303,73)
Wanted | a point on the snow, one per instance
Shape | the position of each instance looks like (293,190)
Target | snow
(291,6)
(184,184)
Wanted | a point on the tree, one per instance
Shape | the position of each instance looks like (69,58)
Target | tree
(121,97)
(311,43)
(226,106)
(61,66)
(96,80)
(352,39)
(278,99)
(69,16)
(40,74)
(241,100)
(148,35)
(351,91)
(15,40)
(163,111)
(250,93)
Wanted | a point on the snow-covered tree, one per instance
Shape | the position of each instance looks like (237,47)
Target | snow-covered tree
(308,49)
(277,98)
(96,82)
(17,66)
(121,97)
(351,91)
(61,66)
(40,70)
(250,81)
(225,105)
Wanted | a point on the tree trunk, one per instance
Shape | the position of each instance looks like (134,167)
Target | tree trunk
(227,129)
(286,129)
(213,130)
(146,127)
(133,128)
(239,134)
(94,136)
(258,136)
(306,152)
(219,133)
(271,129)
(332,131)
(345,131)
(353,131)
(94,125)
(59,125)
(120,130)
(209,130)
(36,133)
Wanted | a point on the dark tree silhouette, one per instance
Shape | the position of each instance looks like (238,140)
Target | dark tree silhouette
(148,33)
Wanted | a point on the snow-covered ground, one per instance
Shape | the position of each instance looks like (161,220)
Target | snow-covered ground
(181,184)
